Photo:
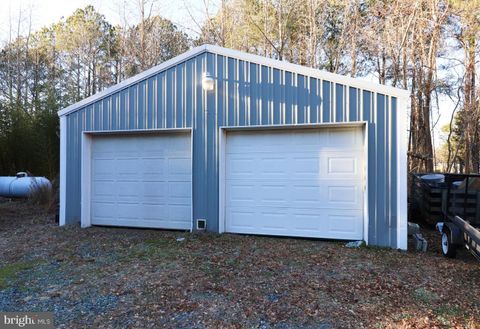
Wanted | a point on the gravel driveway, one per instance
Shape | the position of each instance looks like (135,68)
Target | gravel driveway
(112,277)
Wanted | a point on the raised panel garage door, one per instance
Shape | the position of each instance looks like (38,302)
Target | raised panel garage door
(141,181)
(296,182)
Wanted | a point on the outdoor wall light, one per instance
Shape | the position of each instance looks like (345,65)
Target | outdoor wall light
(208,83)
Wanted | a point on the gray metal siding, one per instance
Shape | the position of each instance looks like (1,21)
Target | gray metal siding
(246,94)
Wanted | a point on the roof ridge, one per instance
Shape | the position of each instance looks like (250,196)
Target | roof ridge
(240,55)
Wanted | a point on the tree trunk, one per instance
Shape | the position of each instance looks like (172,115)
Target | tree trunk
(472,151)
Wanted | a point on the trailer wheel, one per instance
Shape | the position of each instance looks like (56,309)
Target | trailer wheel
(448,248)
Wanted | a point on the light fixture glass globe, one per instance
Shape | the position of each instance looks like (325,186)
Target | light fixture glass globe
(208,83)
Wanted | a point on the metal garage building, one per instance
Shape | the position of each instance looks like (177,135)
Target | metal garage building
(243,143)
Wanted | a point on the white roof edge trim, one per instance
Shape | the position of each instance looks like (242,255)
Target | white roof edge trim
(132,80)
(282,65)
(311,72)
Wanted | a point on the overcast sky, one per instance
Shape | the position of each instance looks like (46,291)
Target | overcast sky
(181,12)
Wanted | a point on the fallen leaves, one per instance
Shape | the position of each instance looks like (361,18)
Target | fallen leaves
(111,277)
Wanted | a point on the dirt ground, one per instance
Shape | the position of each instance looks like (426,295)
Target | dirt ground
(132,278)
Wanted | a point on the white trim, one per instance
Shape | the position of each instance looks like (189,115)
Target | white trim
(132,80)
(281,65)
(402,171)
(191,185)
(308,71)
(86,182)
(221,181)
(222,158)
(366,219)
(63,171)
(299,126)
(137,131)
(86,163)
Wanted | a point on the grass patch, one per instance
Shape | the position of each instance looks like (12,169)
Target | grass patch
(425,296)
(402,316)
(151,250)
(379,326)
(11,271)
(447,311)
(210,269)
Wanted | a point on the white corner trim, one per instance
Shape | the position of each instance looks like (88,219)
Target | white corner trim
(191,179)
(260,60)
(63,171)
(86,181)
(402,172)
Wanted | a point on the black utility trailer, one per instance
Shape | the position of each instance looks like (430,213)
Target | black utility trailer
(431,202)
(457,232)
(461,215)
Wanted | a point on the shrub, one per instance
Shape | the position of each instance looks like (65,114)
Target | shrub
(45,195)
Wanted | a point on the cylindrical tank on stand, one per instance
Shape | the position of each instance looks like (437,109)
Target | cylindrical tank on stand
(21,185)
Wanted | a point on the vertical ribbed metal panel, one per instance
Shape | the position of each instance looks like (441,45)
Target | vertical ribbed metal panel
(246,94)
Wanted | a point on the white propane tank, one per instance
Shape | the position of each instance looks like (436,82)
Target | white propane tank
(21,185)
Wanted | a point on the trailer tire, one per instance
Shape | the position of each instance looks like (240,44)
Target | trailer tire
(448,248)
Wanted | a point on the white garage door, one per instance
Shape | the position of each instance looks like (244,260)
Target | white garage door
(294,182)
(142,181)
